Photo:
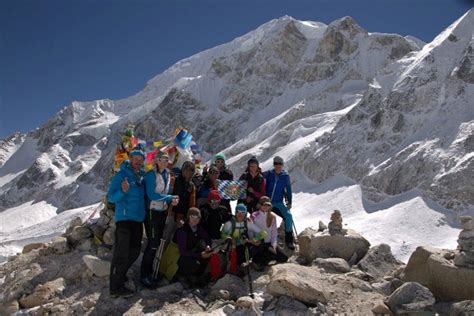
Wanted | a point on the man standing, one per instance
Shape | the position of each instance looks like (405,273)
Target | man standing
(127,191)
(278,187)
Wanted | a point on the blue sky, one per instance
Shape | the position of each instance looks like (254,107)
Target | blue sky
(53,52)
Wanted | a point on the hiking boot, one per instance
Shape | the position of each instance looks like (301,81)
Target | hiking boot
(149,282)
(289,240)
(121,292)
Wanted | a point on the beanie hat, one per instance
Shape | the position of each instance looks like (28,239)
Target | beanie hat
(187,165)
(137,151)
(241,208)
(265,200)
(193,211)
(278,159)
(252,159)
(213,195)
(219,156)
(213,168)
(162,154)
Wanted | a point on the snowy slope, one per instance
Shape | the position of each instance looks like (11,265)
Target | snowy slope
(377,125)
(32,223)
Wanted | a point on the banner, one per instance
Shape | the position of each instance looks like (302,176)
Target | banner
(232,189)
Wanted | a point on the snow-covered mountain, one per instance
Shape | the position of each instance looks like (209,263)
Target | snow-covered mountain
(382,113)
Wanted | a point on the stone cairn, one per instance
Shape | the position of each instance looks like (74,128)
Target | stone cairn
(465,257)
(335,225)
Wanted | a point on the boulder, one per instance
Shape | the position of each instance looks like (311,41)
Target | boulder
(384,287)
(298,282)
(109,236)
(379,261)
(245,302)
(9,308)
(429,267)
(231,283)
(333,264)
(381,309)
(97,266)
(60,245)
(32,246)
(314,244)
(98,231)
(411,297)
(285,305)
(462,308)
(43,293)
(85,245)
(79,233)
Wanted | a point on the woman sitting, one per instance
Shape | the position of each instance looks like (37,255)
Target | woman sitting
(269,250)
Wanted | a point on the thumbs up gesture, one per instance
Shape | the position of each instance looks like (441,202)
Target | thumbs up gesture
(125,185)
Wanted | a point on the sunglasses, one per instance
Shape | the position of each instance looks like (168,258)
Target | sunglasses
(278,163)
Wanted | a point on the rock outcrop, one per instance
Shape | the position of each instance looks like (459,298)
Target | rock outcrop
(351,247)
(448,282)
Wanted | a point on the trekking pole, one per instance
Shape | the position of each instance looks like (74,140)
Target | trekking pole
(247,261)
(296,233)
(157,260)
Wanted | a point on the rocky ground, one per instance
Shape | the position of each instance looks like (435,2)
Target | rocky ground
(70,276)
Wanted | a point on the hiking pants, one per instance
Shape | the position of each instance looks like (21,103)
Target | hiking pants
(191,266)
(128,239)
(154,226)
(281,210)
(263,256)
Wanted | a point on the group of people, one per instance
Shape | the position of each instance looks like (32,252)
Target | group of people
(185,211)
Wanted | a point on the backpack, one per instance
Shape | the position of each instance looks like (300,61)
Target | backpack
(232,221)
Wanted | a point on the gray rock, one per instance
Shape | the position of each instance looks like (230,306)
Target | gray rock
(43,293)
(464,308)
(381,309)
(244,302)
(79,233)
(97,266)
(321,226)
(428,266)
(60,245)
(287,306)
(109,236)
(379,261)
(333,264)
(30,247)
(384,287)
(98,231)
(314,245)
(9,308)
(77,221)
(298,282)
(73,271)
(85,245)
(411,297)
(231,283)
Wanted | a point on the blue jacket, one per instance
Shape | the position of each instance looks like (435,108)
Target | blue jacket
(129,206)
(278,186)
(150,184)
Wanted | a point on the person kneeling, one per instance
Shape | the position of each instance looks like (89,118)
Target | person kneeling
(194,246)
